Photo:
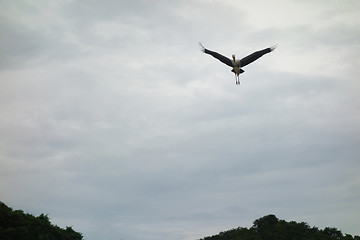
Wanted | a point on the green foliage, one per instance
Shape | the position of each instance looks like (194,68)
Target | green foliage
(16,225)
(271,228)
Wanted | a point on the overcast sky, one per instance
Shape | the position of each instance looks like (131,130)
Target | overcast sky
(114,122)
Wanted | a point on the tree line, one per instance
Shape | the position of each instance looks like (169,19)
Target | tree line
(271,228)
(15,225)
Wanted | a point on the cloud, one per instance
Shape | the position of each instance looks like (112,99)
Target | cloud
(114,121)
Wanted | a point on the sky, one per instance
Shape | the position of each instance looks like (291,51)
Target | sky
(114,122)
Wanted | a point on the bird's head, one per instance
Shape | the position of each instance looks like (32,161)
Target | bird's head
(233,56)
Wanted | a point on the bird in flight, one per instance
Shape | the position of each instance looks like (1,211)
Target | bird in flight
(235,63)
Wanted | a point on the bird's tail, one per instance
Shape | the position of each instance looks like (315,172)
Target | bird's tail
(273,47)
(202,47)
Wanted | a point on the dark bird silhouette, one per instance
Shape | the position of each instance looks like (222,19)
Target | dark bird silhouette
(238,64)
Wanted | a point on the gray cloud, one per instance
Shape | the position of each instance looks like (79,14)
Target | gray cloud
(114,122)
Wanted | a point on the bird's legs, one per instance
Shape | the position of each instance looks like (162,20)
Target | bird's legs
(237,80)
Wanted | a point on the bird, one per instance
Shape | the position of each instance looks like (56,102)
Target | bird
(237,64)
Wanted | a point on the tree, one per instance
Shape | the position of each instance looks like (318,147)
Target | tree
(271,228)
(18,225)
(333,233)
(265,223)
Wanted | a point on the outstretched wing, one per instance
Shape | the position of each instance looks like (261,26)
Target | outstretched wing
(254,56)
(218,56)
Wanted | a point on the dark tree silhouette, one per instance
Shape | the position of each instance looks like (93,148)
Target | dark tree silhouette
(271,228)
(18,225)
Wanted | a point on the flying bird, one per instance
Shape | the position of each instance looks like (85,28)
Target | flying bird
(235,63)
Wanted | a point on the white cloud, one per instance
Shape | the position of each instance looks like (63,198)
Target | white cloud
(114,122)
